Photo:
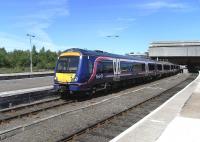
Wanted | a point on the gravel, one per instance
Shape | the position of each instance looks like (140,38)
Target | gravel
(62,126)
(114,127)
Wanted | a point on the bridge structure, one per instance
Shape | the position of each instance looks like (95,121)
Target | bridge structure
(179,52)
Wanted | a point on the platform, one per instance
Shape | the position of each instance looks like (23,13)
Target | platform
(16,91)
(25,83)
(177,120)
(25,75)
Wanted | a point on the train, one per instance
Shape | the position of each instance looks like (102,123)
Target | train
(80,70)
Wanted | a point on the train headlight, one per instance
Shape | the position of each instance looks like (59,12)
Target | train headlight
(76,78)
(55,79)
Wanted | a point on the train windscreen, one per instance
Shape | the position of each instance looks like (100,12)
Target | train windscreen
(67,64)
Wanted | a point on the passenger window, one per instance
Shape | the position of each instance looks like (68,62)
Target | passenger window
(138,67)
(151,67)
(126,67)
(159,67)
(166,67)
(143,67)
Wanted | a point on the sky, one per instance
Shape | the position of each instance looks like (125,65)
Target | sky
(115,26)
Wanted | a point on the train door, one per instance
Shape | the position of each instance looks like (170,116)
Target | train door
(116,68)
(147,69)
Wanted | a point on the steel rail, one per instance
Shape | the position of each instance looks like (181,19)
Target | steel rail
(26,110)
(83,131)
(13,131)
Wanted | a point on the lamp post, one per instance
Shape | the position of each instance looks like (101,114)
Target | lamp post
(31,64)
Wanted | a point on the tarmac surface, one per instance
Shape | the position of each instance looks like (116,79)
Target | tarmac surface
(25,83)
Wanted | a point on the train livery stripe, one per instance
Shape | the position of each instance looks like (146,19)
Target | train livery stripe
(95,66)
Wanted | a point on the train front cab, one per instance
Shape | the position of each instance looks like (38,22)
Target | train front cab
(66,71)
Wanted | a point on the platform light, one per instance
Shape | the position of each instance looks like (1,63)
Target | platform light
(31,60)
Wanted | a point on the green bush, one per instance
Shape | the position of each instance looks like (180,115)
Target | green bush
(19,60)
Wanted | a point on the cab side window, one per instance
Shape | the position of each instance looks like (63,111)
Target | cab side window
(90,66)
(105,67)
(99,68)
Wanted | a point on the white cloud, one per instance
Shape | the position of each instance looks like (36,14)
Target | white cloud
(125,19)
(156,5)
(52,2)
(37,22)
(111,31)
(119,25)
(10,42)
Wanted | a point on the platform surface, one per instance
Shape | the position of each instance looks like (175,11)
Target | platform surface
(25,83)
(24,73)
(186,126)
(177,120)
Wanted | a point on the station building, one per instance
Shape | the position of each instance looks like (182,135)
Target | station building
(179,52)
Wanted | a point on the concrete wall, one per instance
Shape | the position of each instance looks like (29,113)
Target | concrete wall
(174,51)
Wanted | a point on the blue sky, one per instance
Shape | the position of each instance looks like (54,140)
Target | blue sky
(63,24)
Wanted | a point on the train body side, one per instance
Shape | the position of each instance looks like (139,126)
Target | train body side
(94,71)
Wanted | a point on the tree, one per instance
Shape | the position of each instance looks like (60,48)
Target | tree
(20,59)
(47,59)
(34,56)
(3,57)
(51,59)
(42,59)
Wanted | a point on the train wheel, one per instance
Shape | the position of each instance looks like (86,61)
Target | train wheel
(90,93)
(63,95)
(115,87)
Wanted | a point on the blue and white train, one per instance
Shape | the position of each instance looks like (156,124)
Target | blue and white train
(79,70)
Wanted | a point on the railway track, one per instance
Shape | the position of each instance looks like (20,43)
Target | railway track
(82,133)
(110,127)
(9,114)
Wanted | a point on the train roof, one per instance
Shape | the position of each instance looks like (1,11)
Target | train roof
(102,53)
(164,62)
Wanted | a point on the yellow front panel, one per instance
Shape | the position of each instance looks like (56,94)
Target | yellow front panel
(65,77)
(70,54)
